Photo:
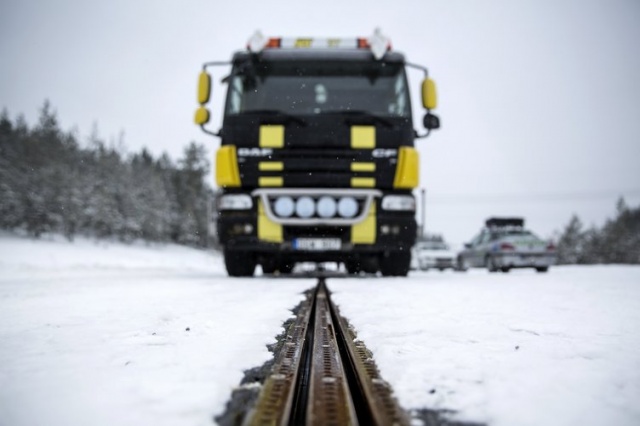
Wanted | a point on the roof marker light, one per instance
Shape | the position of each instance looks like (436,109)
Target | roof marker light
(273,43)
(378,43)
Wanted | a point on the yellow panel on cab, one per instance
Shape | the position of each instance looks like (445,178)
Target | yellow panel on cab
(227,173)
(268,230)
(408,168)
(271,136)
(365,231)
(363,137)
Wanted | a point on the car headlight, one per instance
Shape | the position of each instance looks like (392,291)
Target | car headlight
(235,202)
(399,203)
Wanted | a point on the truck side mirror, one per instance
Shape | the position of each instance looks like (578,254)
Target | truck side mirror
(204,92)
(204,88)
(431,121)
(429,94)
(202,116)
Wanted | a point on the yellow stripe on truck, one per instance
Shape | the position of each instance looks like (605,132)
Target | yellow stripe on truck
(271,136)
(227,173)
(363,182)
(363,167)
(270,181)
(270,166)
(408,168)
(365,231)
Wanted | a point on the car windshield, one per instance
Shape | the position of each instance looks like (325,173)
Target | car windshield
(314,87)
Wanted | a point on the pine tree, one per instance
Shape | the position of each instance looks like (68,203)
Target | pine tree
(49,184)
(571,242)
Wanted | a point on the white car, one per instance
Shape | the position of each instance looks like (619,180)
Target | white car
(432,254)
(504,244)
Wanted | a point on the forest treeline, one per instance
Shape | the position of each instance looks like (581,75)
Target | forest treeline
(618,241)
(50,183)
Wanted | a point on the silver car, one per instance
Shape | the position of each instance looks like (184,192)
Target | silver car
(432,254)
(503,244)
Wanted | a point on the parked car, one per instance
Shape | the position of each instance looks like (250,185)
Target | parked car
(503,244)
(432,254)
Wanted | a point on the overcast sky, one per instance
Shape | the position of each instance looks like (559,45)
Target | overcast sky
(539,100)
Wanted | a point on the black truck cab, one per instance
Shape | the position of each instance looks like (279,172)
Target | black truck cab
(317,160)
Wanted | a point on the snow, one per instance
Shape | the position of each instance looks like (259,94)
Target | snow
(523,348)
(96,333)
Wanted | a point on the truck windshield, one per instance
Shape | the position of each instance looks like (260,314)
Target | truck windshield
(306,88)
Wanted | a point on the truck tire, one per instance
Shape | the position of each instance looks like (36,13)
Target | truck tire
(370,264)
(542,269)
(269,266)
(285,267)
(366,264)
(239,263)
(395,263)
(353,267)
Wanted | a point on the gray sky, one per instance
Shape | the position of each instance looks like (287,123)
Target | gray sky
(539,100)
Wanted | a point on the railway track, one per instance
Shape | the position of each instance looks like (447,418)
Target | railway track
(323,375)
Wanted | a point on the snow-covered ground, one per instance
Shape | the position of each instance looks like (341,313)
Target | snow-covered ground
(523,348)
(103,333)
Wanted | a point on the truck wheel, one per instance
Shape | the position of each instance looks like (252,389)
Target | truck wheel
(269,266)
(285,267)
(353,267)
(370,265)
(239,263)
(366,264)
(395,263)
(542,269)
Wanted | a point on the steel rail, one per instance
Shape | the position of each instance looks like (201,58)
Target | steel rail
(323,375)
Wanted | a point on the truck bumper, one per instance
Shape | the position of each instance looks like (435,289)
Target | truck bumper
(381,232)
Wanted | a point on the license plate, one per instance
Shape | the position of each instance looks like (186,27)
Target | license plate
(317,244)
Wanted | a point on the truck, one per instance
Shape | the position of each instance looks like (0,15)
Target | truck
(317,161)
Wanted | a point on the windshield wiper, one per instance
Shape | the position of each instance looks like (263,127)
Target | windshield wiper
(276,113)
(360,113)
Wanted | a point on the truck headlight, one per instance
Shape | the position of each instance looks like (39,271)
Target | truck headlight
(327,207)
(284,206)
(235,202)
(399,203)
(305,207)
(347,207)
